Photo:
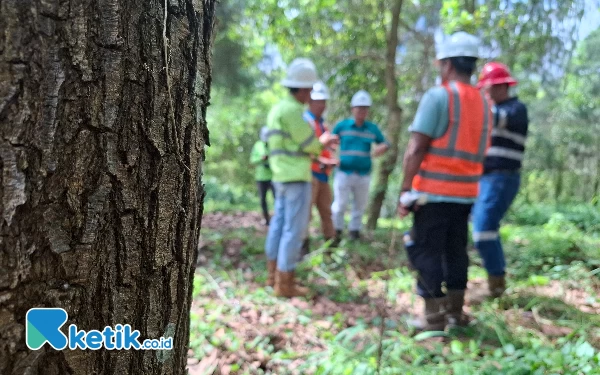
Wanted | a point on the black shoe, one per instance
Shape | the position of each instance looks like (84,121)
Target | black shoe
(305,248)
(337,239)
(354,235)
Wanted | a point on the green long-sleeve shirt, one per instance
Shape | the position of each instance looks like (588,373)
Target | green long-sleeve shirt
(262,169)
(291,142)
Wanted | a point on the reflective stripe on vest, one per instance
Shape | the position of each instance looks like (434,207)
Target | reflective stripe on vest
(447,177)
(307,141)
(518,138)
(273,132)
(287,135)
(454,162)
(504,152)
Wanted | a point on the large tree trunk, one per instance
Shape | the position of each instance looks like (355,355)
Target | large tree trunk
(101,149)
(393,124)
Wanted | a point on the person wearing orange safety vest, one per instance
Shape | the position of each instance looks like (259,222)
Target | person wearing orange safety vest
(500,182)
(442,167)
(321,166)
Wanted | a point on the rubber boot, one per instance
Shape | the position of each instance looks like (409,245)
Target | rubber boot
(354,235)
(454,310)
(285,285)
(496,285)
(433,316)
(272,270)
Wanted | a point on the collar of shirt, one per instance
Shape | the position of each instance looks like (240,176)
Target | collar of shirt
(309,115)
(290,99)
(362,127)
(509,100)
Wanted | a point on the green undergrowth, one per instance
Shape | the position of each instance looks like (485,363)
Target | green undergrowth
(239,320)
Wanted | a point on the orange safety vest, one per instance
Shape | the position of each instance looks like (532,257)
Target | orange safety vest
(316,166)
(454,162)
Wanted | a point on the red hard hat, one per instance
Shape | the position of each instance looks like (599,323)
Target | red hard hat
(495,73)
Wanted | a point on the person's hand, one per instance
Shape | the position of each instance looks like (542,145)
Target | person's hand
(380,149)
(407,203)
(402,210)
(331,162)
(333,147)
(328,139)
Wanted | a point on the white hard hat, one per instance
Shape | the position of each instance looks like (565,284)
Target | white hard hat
(301,74)
(319,92)
(459,44)
(361,99)
(263,133)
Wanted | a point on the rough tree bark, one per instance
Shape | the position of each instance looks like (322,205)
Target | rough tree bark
(101,147)
(393,122)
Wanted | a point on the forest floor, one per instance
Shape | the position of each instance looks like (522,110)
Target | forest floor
(355,321)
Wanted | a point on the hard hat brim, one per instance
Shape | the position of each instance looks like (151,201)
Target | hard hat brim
(442,56)
(319,97)
(292,84)
(497,81)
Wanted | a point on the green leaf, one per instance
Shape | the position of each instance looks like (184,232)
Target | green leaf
(509,349)
(537,280)
(585,350)
(429,334)
(456,347)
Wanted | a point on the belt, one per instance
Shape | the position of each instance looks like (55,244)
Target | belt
(503,171)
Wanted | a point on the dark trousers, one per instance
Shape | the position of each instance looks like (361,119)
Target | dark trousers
(439,253)
(263,188)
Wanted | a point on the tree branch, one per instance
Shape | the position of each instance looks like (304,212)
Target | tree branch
(420,37)
(390,57)
(374,56)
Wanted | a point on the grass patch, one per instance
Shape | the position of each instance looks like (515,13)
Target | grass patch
(363,286)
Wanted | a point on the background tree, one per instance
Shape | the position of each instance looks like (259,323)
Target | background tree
(102,107)
(348,41)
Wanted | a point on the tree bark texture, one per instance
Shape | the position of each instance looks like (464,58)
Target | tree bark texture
(102,124)
(393,122)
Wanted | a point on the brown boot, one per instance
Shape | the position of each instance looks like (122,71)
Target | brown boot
(272,270)
(496,285)
(433,316)
(285,285)
(454,309)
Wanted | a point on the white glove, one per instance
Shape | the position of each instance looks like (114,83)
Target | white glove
(408,198)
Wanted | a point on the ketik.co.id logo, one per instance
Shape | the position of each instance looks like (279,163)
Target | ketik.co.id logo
(43,326)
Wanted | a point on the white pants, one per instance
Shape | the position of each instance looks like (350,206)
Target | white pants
(343,185)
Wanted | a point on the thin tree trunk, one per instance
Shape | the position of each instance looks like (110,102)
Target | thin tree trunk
(470,6)
(559,184)
(394,117)
(101,200)
(596,191)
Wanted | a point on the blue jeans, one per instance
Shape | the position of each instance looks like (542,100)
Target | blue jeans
(288,225)
(497,190)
